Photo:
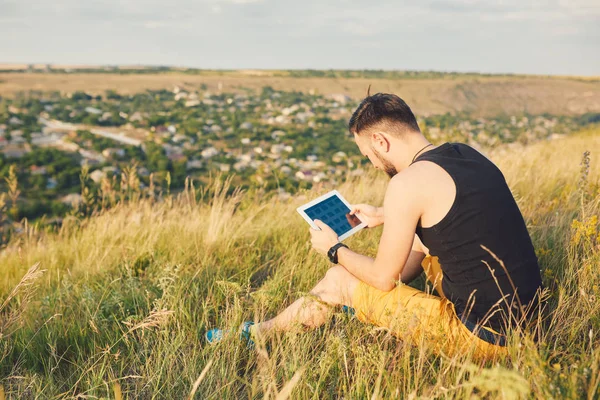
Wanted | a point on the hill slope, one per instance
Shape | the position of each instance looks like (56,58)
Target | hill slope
(482,96)
(127,295)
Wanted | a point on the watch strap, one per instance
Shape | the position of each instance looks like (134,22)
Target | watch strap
(332,253)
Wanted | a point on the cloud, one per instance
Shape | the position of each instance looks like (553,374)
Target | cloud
(429,34)
(535,10)
(155,24)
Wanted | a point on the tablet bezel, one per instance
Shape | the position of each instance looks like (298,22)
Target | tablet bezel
(301,211)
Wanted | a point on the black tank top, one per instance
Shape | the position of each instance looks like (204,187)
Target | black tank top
(484,213)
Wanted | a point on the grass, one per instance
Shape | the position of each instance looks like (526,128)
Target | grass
(118,304)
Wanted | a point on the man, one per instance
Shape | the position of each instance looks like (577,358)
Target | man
(447,211)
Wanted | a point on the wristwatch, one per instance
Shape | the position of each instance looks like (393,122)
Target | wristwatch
(332,253)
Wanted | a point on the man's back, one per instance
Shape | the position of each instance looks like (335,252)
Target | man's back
(483,225)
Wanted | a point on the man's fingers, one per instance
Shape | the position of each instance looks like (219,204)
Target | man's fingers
(355,208)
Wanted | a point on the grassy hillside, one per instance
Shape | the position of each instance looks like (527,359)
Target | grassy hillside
(115,306)
(480,95)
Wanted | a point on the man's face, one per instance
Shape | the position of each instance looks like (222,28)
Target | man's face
(366,147)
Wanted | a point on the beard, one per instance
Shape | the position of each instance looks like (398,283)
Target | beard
(388,167)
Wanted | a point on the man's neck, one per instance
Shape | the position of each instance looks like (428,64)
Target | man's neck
(414,149)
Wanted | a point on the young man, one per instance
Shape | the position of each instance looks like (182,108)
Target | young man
(447,211)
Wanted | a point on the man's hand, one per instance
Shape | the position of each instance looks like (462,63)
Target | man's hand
(372,215)
(323,239)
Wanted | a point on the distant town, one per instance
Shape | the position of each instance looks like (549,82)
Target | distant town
(54,144)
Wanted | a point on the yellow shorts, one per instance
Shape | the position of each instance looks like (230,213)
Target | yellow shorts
(425,319)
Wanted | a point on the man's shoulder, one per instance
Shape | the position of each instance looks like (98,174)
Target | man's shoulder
(423,182)
(411,181)
(419,172)
(403,195)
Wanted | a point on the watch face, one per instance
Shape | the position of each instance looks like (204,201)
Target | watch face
(330,254)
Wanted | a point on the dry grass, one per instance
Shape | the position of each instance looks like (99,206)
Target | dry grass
(129,293)
(24,290)
(485,96)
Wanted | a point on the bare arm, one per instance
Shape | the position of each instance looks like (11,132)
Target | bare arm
(412,269)
(401,214)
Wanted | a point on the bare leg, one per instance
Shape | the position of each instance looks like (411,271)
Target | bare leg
(335,288)
(412,269)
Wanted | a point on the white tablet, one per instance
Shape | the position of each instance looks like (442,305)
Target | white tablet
(334,210)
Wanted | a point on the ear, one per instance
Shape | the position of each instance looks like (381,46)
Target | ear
(380,141)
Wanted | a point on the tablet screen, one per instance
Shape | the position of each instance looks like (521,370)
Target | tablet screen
(334,213)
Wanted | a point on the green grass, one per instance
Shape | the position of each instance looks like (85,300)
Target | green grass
(125,297)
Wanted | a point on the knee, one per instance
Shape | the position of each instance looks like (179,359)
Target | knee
(337,273)
(334,287)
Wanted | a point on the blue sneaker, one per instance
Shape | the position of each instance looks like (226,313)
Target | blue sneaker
(245,334)
(215,335)
(348,310)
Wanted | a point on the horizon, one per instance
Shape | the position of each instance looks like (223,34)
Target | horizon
(80,68)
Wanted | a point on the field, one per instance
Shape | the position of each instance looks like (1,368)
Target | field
(115,306)
(481,96)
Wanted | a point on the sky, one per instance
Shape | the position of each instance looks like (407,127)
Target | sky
(558,37)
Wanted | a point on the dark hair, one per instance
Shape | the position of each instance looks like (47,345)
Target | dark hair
(383,108)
